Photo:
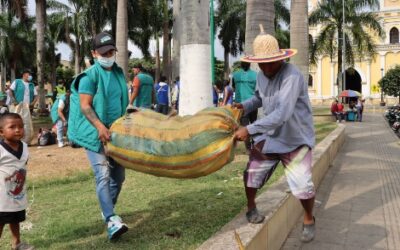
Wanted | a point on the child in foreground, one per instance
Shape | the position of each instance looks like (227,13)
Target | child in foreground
(13,159)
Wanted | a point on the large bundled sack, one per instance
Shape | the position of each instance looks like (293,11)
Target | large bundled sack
(23,110)
(177,147)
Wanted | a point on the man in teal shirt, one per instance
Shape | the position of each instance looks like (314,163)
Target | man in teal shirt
(244,81)
(143,85)
(23,90)
(99,97)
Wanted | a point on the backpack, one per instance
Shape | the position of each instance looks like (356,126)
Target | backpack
(46,137)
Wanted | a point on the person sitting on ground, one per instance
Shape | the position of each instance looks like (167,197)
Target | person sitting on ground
(228,94)
(3,106)
(341,112)
(334,109)
(284,134)
(163,96)
(13,160)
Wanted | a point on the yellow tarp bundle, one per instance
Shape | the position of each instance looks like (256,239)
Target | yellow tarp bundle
(177,147)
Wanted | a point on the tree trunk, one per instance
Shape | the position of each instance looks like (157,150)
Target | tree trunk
(165,62)
(3,76)
(299,35)
(176,49)
(340,61)
(53,77)
(40,35)
(258,12)
(226,65)
(122,36)
(77,57)
(13,69)
(195,64)
(158,63)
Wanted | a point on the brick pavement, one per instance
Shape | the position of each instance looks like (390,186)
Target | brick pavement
(359,198)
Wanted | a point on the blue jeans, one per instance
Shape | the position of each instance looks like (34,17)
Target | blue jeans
(60,131)
(109,178)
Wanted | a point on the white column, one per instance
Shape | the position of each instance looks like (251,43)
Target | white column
(368,92)
(383,63)
(319,90)
(333,82)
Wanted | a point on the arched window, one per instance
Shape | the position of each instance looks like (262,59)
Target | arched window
(310,81)
(394,35)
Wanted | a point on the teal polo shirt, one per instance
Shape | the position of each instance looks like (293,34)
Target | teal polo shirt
(113,93)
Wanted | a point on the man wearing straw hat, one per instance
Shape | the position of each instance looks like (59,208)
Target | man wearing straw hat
(285,133)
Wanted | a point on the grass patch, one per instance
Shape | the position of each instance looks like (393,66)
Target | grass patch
(323,129)
(321,111)
(162,213)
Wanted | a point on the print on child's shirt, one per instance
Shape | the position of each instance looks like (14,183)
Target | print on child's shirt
(15,184)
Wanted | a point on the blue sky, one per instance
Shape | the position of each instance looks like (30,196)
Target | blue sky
(66,53)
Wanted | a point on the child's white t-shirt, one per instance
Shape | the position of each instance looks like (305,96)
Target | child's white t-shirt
(12,178)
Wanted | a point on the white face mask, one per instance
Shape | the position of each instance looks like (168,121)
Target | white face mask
(106,62)
(29,78)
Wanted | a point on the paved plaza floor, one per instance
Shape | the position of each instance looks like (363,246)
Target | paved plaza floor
(358,202)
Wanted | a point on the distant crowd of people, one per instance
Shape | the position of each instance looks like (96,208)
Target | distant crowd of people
(353,113)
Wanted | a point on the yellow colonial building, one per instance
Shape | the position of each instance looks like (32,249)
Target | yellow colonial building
(366,73)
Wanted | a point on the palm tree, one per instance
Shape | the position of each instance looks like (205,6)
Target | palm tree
(360,25)
(195,57)
(166,31)
(122,35)
(176,38)
(17,48)
(14,8)
(299,35)
(282,17)
(55,33)
(231,18)
(258,12)
(40,46)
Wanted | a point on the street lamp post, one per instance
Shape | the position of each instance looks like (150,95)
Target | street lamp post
(382,101)
(343,49)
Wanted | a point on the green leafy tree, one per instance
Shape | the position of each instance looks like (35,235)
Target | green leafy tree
(17,47)
(360,26)
(390,83)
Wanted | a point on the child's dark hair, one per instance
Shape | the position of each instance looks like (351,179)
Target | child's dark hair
(6,116)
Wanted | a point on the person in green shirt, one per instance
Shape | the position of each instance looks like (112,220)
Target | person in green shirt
(244,82)
(99,97)
(143,86)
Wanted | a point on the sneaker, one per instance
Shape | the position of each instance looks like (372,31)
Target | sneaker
(254,217)
(60,144)
(115,227)
(23,246)
(308,233)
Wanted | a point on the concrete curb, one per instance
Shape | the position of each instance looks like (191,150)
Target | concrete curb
(282,210)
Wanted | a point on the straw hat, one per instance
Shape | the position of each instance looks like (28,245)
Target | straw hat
(266,50)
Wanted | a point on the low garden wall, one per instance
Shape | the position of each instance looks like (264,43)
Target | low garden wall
(282,210)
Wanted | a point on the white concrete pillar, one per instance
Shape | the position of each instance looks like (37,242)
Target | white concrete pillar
(333,80)
(368,88)
(319,89)
(383,63)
